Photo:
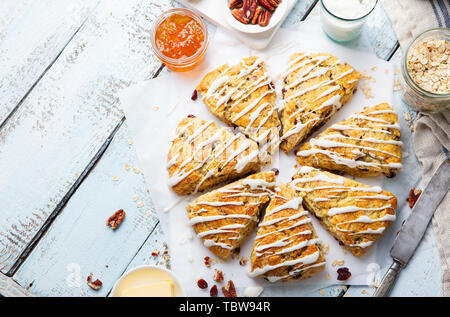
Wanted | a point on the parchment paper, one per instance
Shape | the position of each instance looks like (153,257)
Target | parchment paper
(153,109)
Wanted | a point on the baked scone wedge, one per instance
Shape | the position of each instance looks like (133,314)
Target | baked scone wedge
(316,85)
(366,144)
(355,214)
(243,95)
(223,218)
(286,246)
(203,155)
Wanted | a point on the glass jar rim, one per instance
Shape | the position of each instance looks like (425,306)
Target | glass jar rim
(406,74)
(347,19)
(182,61)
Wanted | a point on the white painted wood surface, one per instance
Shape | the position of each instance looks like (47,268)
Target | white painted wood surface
(32,34)
(83,111)
(79,242)
(63,122)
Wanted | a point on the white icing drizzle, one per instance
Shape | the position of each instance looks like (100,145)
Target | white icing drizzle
(248,188)
(181,173)
(286,244)
(222,91)
(308,73)
(323,177)
(305,260)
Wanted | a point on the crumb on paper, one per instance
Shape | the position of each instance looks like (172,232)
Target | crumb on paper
(243,261)
(139,204)
(115,178)
(130,141)
(325,248)
(338,262)
(322,292)
(135,197)
(136,170)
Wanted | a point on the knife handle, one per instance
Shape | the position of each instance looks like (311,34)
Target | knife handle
(388,280)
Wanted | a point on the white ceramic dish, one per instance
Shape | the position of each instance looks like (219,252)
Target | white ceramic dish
(147,267)
(277,16)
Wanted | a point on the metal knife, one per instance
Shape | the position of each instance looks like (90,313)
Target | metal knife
(413,229)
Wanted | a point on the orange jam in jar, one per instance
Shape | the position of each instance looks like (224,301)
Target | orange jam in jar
(180,39)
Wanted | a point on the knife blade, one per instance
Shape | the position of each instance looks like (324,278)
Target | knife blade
(413,229)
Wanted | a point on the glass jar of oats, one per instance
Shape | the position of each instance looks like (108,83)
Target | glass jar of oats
(426,71)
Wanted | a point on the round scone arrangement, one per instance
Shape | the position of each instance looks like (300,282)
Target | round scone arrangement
(286,246)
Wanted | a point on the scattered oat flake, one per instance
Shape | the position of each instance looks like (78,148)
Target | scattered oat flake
(325,248)
(156,108)
(397,71)
(386,71)
(140,204)
(115,178)
(407,116)
(374,68)
(135,197)
(135,169)
(344,288)
(328,276)
(322,292)
(130,141)
(127,167)
(148,213)
(363,291)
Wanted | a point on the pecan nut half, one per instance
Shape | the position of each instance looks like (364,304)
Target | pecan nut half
(264,18)
(236,4)
(239,15)
(258,12)
(115,220)
(266,5)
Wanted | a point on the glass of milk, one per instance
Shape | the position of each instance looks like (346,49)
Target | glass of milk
(342,20)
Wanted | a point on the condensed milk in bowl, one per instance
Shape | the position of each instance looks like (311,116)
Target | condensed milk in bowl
(147,281)
(342,20)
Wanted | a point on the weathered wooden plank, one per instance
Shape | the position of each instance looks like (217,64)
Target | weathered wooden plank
(9,288)
(68,115)
(299,13)
(78,241)
(32,34)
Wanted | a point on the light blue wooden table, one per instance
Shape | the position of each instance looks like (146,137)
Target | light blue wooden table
(67,161)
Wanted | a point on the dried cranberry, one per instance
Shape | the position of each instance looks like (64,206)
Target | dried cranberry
(343,274)
(213,291)
(202,283)
(194,95)
(276,170)
(191,116)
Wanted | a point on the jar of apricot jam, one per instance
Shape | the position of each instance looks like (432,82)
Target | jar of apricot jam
(180,39)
